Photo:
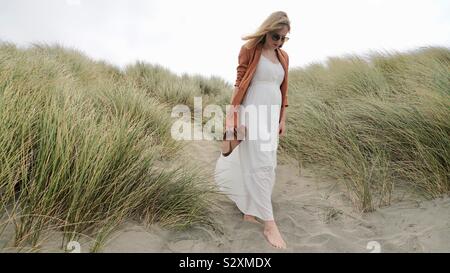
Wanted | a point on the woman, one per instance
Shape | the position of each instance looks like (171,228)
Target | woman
(247,175)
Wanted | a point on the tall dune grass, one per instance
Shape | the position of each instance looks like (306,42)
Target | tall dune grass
(172,89)
(83,148)
(375,123)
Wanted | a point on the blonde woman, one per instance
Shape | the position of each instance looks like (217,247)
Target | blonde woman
(247,174)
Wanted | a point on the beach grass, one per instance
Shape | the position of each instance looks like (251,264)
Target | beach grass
(84,148)
(376,122)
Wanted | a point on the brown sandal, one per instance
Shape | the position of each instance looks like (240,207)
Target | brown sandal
(228,145)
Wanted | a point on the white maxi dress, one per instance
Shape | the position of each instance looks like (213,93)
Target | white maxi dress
(247,175)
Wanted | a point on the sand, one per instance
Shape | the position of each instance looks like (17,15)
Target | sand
(313,214)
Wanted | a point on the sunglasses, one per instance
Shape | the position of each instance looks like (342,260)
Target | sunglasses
(276,37)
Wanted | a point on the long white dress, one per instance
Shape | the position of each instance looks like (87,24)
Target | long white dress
(247,175)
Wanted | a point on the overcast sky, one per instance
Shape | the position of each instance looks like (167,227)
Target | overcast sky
(203,36)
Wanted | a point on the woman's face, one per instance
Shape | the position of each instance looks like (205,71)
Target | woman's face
(279,34)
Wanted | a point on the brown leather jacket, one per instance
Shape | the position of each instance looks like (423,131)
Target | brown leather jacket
(248,59)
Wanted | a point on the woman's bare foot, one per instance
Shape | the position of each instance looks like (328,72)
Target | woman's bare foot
(251,218)
(273,234)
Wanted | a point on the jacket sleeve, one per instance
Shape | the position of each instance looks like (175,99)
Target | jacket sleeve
(285,103)
(243,61)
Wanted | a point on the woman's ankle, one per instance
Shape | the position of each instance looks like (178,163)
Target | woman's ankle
(269,224)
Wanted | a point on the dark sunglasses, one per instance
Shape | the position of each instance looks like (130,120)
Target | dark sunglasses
(276,37)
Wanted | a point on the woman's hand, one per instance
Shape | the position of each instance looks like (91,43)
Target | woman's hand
(282,128)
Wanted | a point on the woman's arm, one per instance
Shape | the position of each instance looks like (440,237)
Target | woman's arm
(243,62)
(236,89)
(285,100)
(283,115)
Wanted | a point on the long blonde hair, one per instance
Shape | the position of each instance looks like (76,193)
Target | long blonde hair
(274,22)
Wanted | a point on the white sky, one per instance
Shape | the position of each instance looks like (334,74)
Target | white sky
(203,36)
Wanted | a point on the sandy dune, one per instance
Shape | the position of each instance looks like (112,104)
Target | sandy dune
(313,215)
